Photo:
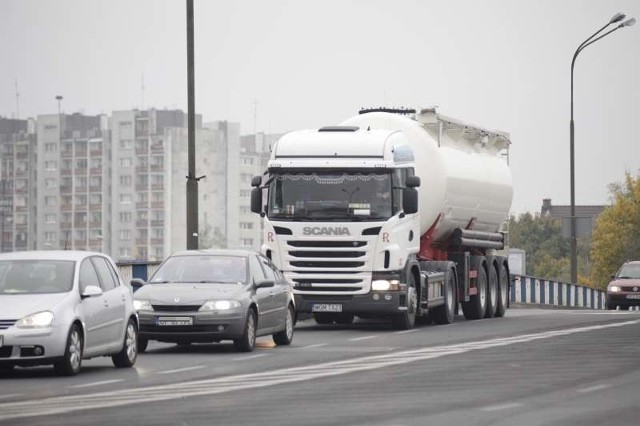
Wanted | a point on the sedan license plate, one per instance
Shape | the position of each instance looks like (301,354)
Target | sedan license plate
(175,321)
(633,296)
(326,307)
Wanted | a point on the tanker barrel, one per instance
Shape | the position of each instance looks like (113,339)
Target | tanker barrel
(467,238)
(479,235)
(467,242)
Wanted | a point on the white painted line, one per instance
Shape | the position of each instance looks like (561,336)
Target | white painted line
(181,370)
(317,345)
(501,407)
(593,388)
(11,395)
(406,331)
(175,391)
(243,358)
(363,338)
(104,382)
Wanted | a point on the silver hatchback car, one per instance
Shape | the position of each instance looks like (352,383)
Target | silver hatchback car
(59,307)
(214,295)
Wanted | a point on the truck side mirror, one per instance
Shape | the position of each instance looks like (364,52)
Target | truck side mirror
(256,181)
(256,200)
(409,200)
(413,181)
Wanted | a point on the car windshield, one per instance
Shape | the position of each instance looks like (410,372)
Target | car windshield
(330,196)
(36,276)
(630,271)
(202,269)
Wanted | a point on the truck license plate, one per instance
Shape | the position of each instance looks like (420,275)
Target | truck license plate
(175,321)
(633,296)
(326,307)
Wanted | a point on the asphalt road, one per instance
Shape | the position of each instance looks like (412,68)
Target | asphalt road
(533,367)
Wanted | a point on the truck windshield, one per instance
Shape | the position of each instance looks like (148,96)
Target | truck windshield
(330,196)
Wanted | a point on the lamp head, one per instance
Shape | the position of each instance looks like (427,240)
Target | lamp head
(629,22)
(617,18)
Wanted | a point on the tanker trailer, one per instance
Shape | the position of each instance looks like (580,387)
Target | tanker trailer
(393,214)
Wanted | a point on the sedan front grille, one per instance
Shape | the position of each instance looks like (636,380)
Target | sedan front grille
(176,308)
(4,324)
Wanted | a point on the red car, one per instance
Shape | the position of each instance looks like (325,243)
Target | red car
(624,289)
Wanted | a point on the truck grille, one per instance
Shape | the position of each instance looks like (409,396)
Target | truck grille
(326,267)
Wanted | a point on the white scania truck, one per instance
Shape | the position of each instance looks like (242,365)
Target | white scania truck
(394,214)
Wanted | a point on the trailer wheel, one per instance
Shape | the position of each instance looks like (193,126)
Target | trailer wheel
(503,283)
(477,304)
(407,319)
(493,295)
(444,314)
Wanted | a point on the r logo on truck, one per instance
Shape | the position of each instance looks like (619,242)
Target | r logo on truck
(325,230)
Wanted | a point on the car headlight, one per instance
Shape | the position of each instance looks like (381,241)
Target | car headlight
(40,319)
(219,305)
(385,285)
(614,288)
(142,305)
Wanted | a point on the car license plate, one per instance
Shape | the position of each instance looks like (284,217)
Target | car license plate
(326,307)
(175,321)
(633,296)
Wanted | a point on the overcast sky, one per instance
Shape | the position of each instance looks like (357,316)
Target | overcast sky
(276,66)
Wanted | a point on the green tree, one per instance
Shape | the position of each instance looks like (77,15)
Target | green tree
(616,235)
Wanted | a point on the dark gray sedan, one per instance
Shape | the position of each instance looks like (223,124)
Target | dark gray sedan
(213,295)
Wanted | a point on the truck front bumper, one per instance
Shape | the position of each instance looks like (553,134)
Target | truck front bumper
(371,304)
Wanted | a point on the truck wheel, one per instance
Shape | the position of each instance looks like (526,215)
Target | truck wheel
(492,292)
(444,314)
(477,305)
(503,283)
(407,319)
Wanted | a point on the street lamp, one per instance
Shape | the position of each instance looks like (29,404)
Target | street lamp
(574,244)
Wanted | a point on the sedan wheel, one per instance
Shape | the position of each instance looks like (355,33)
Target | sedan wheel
(129,353)
(247,342)
(72,359)
(285,336)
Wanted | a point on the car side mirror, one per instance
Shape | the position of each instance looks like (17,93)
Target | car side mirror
(409,200)
(92,291)
(613,276)
(136,283)
(265,284)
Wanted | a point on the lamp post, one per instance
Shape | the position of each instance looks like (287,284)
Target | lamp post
(574,244)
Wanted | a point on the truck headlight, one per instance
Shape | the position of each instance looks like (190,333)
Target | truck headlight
(385,285)
(614,288)
(219,305)
(142,305)
(39,319)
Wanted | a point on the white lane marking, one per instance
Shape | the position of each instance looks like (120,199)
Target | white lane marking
(11,395)
(593,388)
(173,391)
(406,331)
(501,407)
(317,345)
(181,370)
(243,358)
(363,338)
(88,385)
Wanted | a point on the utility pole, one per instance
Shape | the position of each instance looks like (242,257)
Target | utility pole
(192,180)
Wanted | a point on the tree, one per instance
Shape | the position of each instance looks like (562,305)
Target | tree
(209,237)
(616,237)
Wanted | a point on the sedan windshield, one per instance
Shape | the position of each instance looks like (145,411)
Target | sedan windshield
(330,196)
(202,269)
(631,270)
(36,276)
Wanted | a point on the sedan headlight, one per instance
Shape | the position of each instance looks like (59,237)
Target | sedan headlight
(40,319)
(614,288)
(219,305)
(142,305)
(385,285)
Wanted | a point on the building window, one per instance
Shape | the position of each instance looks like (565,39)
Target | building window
(245,193)
(50,218)
(50,201)
(96,181)
(246,177)
(80,200)
(124,235)
(51,165)
(49,183)
(125,217)
(126,143)
(125,180)
(81,163)
(125,162)
(246,225)
(49,236)
(51,147)
(247,161)
(50,127)
(125,198)
(125,252)
(157,233)
(95,199)
(81,183)
(246,242)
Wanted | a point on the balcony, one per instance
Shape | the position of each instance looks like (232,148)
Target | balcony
(66,172)
(142,223)
(80,224)
(141,169)
(95,207)
(142,205)
(141,241)
(95,224)
(157,205)
(81,153)
(157,186)
(95,170)
(96,188)
(157,168)
(157,223)
(65,189)
(65,225)
(66,207)
(66,154)
(95,152)
(142,151)
(142,187)
(157,241)
(81,171)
